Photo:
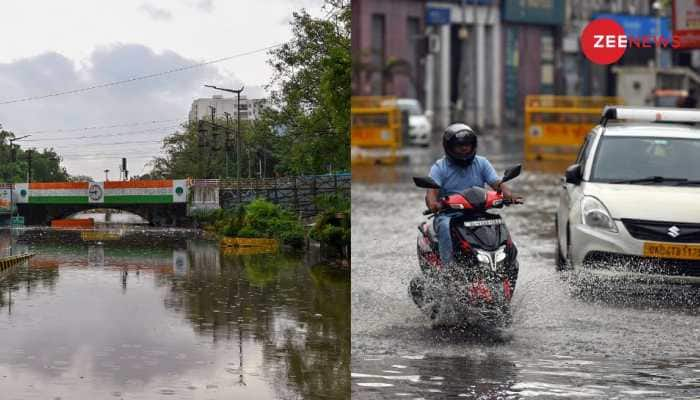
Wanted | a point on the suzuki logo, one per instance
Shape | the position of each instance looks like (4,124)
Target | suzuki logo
(674,231)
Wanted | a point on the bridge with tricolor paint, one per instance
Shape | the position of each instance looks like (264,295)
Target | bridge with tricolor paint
(161,202)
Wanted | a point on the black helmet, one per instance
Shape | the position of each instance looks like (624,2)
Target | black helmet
(459,134)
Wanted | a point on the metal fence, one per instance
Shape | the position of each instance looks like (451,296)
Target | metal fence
(295,193)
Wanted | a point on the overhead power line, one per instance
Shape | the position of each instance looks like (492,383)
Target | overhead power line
(123,143)
(89,128)
(138,78)
(125,133)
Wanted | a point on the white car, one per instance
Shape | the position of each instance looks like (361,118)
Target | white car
(419,127)
(630,205)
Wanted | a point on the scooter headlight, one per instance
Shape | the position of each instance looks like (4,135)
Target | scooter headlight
(483,258)
(596,215)
(500,255)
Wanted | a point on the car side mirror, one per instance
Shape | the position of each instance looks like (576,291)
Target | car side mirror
(511,173)
(574,174)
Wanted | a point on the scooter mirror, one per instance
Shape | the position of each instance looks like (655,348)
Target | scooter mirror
(511,173)
(425,182)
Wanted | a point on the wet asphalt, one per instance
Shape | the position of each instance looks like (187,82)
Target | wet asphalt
(611,340)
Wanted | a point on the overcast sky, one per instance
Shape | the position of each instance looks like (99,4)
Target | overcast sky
(53,46)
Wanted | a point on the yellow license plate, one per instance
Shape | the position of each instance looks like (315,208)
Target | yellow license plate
(665,250)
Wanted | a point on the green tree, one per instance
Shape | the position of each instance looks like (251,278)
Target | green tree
(14,165)
(311,106)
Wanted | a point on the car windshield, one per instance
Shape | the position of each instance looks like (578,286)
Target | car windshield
(647,160)
(413,107)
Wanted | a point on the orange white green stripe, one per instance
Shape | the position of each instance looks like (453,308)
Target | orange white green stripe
(110,192)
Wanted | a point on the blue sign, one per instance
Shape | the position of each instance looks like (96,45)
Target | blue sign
(437,16)
(637,26)
(540,12)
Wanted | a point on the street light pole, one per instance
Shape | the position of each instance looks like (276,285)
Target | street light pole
(106,175)
(12,157)
(238,125)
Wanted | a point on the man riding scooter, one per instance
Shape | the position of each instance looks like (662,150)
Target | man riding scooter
(460,169)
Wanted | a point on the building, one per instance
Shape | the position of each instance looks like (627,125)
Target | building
(463,70)
(250,108)
(388,39)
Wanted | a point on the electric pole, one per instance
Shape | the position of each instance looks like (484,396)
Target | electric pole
(227,145)
(123,169)
(238,125)
(29,165)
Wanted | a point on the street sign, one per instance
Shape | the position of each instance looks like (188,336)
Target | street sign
(437,16)
(639,26)
(686,23)
(5,199)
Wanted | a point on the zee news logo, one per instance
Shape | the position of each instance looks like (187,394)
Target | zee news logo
(603,41)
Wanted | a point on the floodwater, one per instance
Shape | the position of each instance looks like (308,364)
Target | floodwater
(162,314)
(567,340)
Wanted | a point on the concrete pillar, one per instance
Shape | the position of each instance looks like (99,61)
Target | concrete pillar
(497,95)
(480,74)
(444,103)
(430,86)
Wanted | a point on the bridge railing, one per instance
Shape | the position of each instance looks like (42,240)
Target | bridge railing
(296,193)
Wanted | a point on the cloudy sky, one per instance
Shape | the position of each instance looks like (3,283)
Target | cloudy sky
(55,46)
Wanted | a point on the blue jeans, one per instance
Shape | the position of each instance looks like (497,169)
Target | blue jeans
(442,228)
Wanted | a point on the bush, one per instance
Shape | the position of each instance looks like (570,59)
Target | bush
(266,219)
(332,226)
(259,219)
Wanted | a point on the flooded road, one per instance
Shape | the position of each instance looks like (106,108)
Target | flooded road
(611,342)
(159,314)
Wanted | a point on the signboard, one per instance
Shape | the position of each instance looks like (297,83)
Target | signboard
(110,192)
(21,193)
(5,199)
(437,16)
(541,12)
(96,192)
(180,191)
(638,26)
(686,23)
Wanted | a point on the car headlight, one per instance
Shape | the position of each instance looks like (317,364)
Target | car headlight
(596,215)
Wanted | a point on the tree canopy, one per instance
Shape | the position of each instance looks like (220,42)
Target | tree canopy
(46,164)
(305,128)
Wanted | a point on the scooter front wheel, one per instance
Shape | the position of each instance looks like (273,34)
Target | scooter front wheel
(415,289)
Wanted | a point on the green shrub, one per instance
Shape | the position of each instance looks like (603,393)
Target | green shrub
(259,219)
(332,226)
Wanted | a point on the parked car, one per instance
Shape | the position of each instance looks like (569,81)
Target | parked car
(631,202)
(419,126)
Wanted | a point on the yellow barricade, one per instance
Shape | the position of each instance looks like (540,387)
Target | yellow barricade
(555,126)
(375,125)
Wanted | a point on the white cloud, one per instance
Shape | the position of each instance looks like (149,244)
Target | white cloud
(159,14)
(205,5)
(162,98)
(113,41)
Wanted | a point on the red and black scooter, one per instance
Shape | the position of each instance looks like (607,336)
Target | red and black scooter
(480,283)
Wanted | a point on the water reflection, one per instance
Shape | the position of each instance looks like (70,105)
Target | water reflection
(154,314)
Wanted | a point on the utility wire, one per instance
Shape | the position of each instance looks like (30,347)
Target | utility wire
(129,142)
(126,133)
(137,78)
(120,125)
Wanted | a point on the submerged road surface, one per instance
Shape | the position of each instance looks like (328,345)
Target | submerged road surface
(612,342)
